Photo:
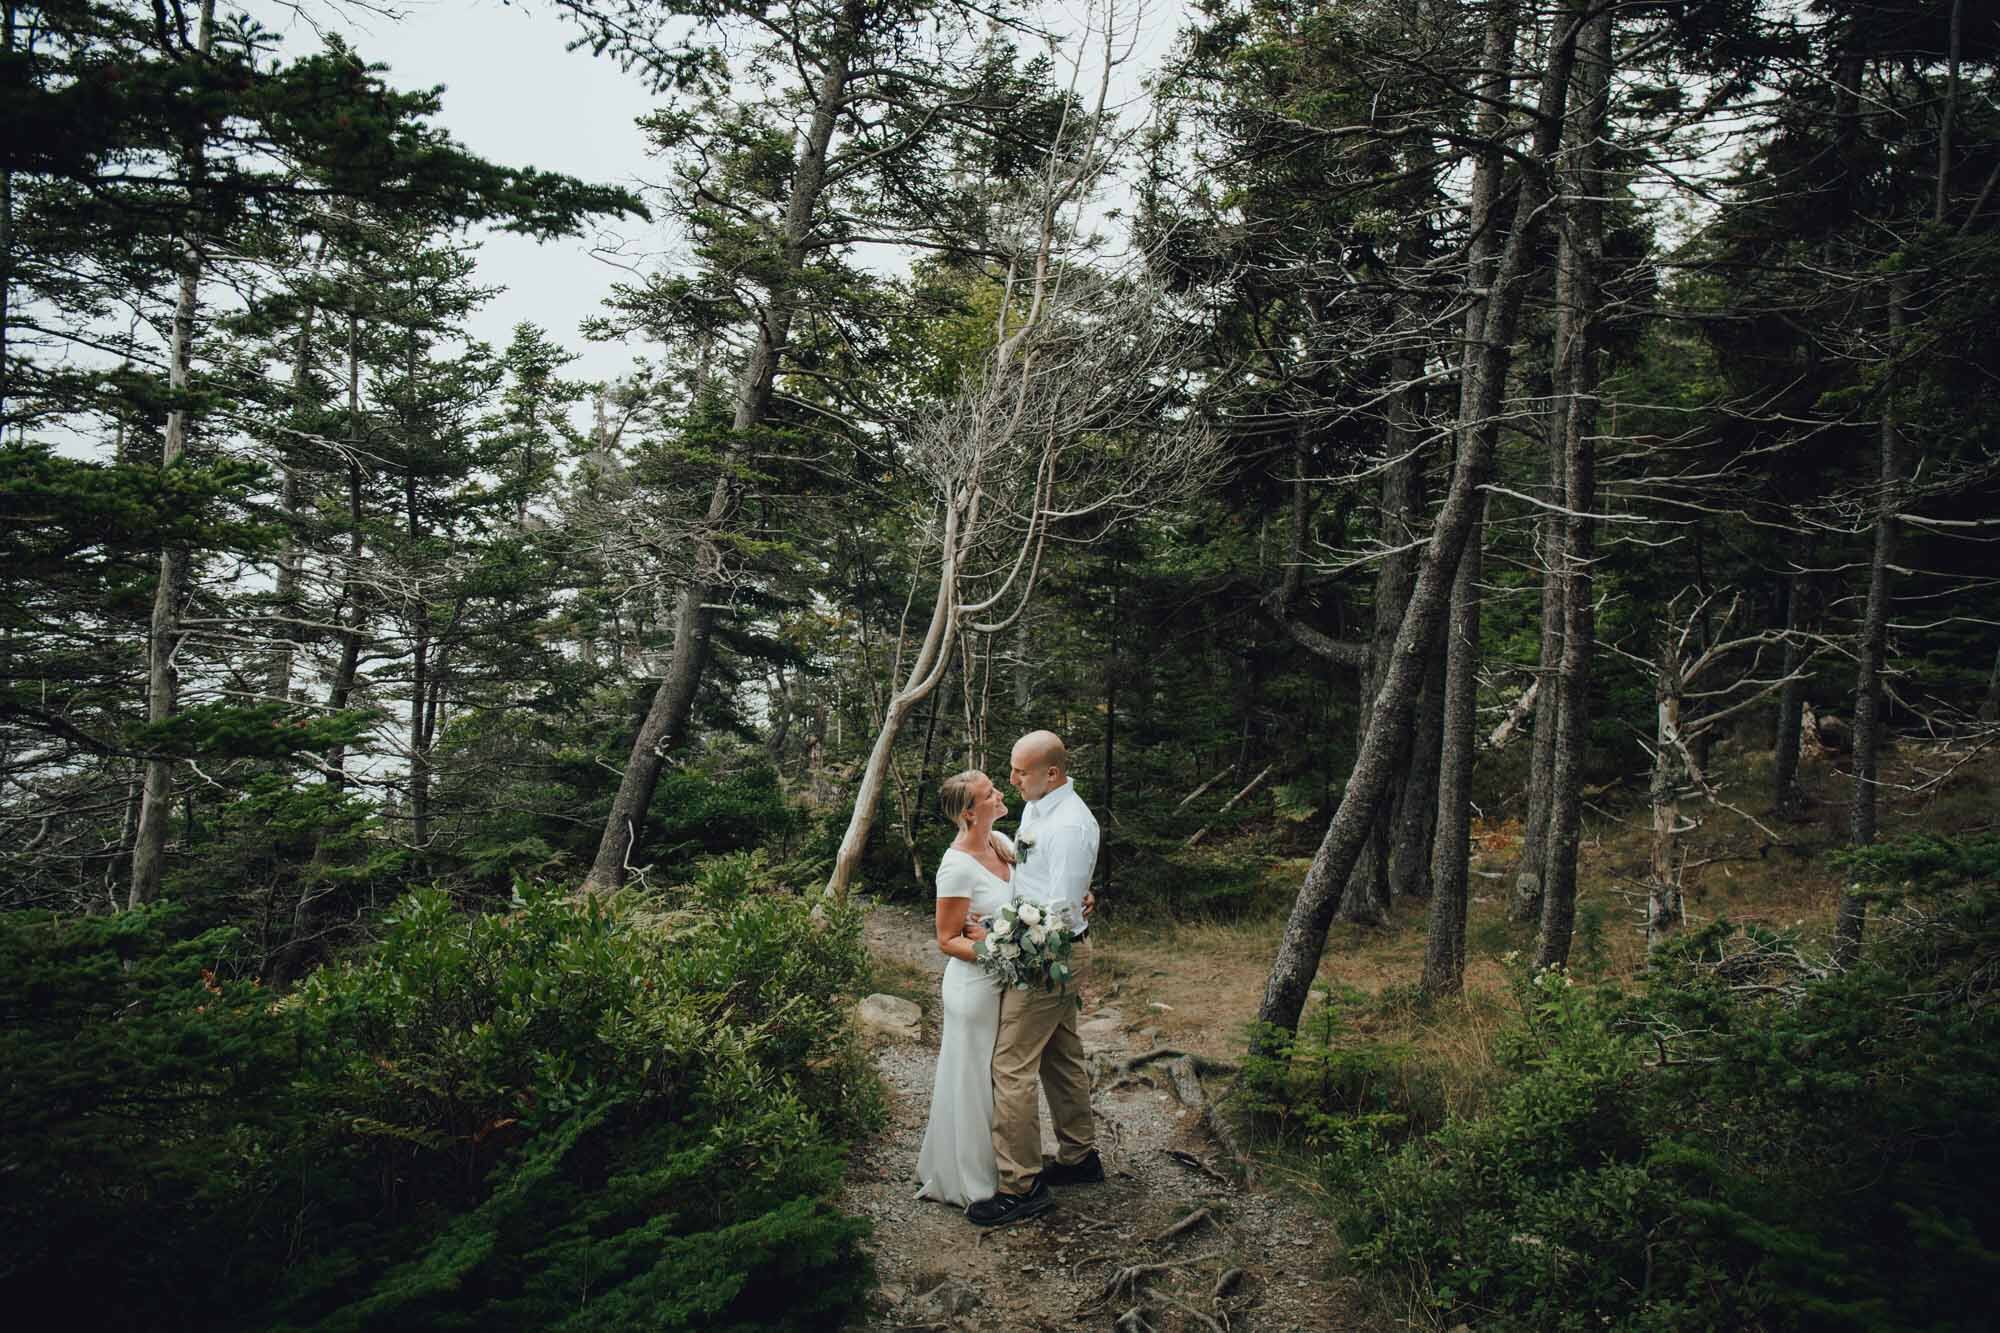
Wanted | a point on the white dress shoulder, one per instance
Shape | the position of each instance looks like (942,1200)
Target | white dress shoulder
(956,1162)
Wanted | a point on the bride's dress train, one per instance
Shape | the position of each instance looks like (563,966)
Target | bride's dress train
(956,1162)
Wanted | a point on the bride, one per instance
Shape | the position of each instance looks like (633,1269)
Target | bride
(974,881)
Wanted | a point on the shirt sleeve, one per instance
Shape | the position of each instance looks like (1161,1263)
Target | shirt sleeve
(1067,850)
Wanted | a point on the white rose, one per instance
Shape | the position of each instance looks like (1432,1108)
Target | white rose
(1036,934)
(1010,951)
(1030,914)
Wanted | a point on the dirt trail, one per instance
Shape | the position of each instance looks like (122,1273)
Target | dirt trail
(936,1271)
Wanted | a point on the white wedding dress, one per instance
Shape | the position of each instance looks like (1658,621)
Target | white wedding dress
(956,1162)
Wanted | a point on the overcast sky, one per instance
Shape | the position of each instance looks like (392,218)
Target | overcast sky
(515,96)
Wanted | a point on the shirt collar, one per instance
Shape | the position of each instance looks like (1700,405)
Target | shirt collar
(1052,799)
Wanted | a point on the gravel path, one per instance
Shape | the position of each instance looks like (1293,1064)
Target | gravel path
(936,1271)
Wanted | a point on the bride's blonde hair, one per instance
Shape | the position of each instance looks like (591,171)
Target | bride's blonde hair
(955,796)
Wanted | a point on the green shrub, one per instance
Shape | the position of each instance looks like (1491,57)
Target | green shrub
(1754,1141)
(596,1114)
(694,811)
(1342,1099)
(150,1115)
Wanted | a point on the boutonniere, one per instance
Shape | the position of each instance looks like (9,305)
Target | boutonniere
(1023,845)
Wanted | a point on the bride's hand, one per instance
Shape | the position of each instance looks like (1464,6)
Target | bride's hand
(975,929)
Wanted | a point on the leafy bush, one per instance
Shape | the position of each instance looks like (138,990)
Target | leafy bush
(706,812)
(1755,1141)
(603,1114)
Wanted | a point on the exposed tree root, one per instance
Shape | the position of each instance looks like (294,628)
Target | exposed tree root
(1132,1321)
(1125,1282)
(1202,1063)
(1185,1225)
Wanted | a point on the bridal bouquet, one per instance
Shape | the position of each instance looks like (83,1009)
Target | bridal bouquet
(1027,945)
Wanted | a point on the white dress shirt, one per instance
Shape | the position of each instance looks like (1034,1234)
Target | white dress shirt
(1058,865)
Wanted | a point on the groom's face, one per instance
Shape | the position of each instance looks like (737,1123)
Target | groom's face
(1029,775)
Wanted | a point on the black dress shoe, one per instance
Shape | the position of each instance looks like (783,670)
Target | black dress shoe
(1006,1209)
(1089,1171)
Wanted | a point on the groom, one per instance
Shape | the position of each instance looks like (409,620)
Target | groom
(1038,1040)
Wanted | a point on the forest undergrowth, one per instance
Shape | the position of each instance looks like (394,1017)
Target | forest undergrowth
(1728,1131)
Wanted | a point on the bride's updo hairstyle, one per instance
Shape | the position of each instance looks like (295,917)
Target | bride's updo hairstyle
(955,796)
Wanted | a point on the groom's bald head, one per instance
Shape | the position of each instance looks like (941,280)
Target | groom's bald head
(1040,761)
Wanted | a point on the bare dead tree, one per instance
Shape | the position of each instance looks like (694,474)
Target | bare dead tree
(1691,664)
(1061,438)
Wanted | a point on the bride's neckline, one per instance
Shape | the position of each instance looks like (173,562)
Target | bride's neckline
(1004,879)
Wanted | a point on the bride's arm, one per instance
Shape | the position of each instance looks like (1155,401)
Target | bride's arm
(955,936)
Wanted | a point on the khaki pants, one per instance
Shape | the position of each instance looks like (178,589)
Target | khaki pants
(1038,1041)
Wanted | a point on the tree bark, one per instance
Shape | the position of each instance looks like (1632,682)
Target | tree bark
(1665,908)
(291,561)
(1444,948)
(1366,901)
(1579,258)
(1491,322)
(1107,797)
(1787,800)
(1417,812)
(1872,646)
(420,684)
(665,725)
(353,616)
(1524,898)
(6,228)
(149,843)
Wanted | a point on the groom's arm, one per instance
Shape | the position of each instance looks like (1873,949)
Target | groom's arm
(1071,849)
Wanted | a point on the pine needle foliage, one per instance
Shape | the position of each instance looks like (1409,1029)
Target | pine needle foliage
(567,1114)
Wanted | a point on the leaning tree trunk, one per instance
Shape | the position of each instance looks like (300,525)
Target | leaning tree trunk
(1579,258)
(932,658)
(1444,949)
(1366,901)
(149,845)
(1872,649)
(1491,322)
(665,724)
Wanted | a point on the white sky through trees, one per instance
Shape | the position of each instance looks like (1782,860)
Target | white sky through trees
(514,95)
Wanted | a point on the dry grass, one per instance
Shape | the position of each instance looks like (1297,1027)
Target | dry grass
(1197,985)
(894,976)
